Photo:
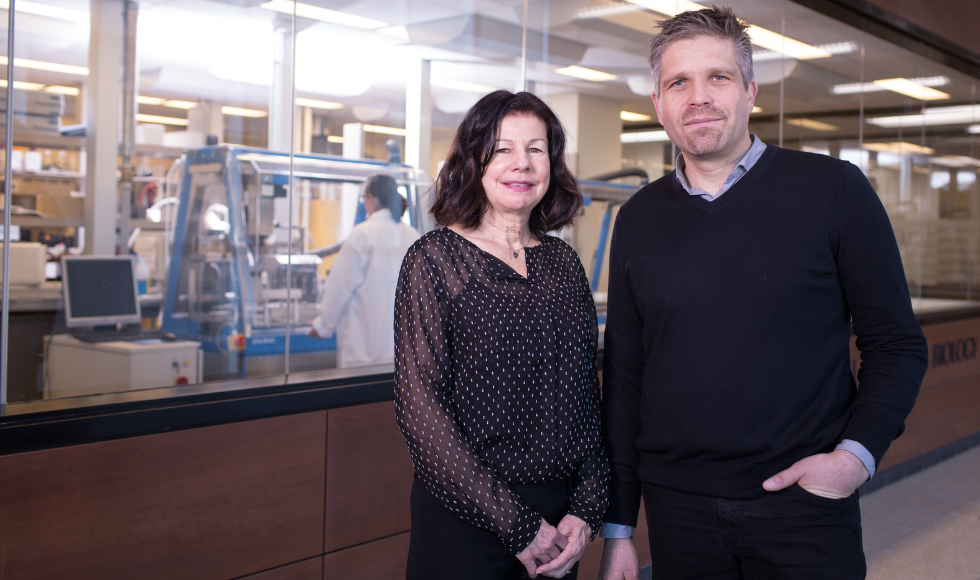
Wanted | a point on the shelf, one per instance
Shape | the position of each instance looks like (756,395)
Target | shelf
(26,221)
(69,175)
(141,150)
(27,139)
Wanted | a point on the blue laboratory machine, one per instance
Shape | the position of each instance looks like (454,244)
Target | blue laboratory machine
(242,275)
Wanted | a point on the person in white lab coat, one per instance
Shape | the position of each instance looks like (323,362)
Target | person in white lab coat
(358,301)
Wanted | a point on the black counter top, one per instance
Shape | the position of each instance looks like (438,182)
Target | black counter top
(36,425)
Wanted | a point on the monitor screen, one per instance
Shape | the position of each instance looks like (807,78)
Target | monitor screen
(99,290)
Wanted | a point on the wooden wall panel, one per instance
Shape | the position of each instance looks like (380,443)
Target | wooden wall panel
(383,559)
(311,569)
(369,476)
(948,407)
(941,416)
(213,502)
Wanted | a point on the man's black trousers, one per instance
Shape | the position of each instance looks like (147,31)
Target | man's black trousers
(789,534)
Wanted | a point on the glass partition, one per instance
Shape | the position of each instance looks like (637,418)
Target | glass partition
(224,146)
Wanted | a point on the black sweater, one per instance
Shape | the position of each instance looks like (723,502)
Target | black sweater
(728,325)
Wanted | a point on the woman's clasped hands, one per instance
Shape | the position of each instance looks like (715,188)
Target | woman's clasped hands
(555,550)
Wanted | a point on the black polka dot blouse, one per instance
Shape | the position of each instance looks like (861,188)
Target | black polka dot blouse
(496,380)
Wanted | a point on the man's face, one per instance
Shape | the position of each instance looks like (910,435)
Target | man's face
(701,101)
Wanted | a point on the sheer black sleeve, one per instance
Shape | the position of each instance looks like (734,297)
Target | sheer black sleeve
(590,496)
(443,457)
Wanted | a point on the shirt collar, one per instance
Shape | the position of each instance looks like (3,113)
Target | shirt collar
(744,164)
(381,213)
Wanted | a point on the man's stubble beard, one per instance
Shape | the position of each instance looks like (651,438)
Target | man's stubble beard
(704,141)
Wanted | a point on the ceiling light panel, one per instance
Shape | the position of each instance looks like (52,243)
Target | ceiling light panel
(586,74)
(784,44)
(912,89)
(48,66)
(145,100)
(873,87)
(335,139)
(240,112)
(644,137)
(316,104)
(70,91)
(180,104)
(157,119)
(973,129)
(385,130)
(628,116)
(937,116)
(23,86)
(324,15)
(55,12)
(899,148)
(812,124)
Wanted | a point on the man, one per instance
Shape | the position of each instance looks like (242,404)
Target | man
(734,282)
(359,298)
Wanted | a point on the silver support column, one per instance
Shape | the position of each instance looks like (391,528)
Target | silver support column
(281,92)
(7,191)
(418,117)
(102,99)
(130,90)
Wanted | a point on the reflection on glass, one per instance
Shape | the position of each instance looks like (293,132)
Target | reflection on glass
(234,243)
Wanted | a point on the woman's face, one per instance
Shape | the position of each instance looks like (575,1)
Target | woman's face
(519,171)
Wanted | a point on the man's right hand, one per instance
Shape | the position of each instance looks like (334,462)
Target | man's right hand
(544,548)
(619,560)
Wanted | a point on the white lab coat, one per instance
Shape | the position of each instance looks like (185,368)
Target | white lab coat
(359,298)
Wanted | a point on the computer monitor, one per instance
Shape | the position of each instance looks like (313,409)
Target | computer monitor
(99,290)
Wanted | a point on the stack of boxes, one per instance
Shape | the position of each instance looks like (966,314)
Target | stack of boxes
(34,111)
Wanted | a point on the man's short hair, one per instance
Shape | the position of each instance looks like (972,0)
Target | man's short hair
(384,188)
(717,22)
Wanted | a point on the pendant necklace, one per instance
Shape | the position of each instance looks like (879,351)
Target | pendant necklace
(505,246)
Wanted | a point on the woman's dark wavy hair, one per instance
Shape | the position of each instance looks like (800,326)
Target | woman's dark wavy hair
(460,198)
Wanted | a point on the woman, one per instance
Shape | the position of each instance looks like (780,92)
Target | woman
(495,359)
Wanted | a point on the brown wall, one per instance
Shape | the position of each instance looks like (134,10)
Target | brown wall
(956,20)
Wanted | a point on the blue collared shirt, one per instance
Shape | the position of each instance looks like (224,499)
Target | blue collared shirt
(743,166)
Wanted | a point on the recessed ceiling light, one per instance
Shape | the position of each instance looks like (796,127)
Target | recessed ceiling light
(335,139)
(955,161)
(912,89)
(56,12)
(973,129)
(784,45)
(23,86)
(180,104)
(461,86)
(852,88)
(145,100)
(324,14)
(936,116)
(239,112)
(756,109)
(315,104)
(586,74)
(644,137)
(48,66)
(161,120)
(71,91)
(628,116)
(812,124)
(385,130)
(898,147)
